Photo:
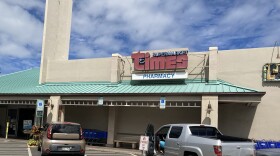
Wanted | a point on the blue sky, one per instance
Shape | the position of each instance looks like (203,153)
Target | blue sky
(102,27)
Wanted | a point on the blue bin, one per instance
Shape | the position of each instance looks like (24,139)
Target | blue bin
(272,144)
(257,146)
(262,144)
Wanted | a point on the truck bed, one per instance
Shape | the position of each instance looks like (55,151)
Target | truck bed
(225,138)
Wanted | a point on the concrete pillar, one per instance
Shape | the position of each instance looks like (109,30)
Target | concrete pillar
(213,64)
(53,109)
(111,125)
(209,110)
(61,113)
(56,35)
(115,68)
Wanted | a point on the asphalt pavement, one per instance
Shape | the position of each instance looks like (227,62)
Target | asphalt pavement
(91,152)
(269,152)
(17,147)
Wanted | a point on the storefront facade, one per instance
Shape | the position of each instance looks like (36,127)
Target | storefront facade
(122,94)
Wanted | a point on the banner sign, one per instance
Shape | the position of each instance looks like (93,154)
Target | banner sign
(27,124)
(169,60)
(160,76)
(144,142)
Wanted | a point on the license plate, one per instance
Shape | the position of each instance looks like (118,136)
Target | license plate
(65,148)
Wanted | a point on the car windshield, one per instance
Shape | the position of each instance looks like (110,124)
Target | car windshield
(204,131)
(65,128)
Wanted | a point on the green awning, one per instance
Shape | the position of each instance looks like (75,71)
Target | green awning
(27,82)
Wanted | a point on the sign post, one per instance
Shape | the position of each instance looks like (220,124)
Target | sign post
(143,144)
(162,103)
(7,129)
(100,101)
(39,112)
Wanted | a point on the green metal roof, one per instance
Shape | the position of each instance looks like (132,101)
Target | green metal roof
(27,82)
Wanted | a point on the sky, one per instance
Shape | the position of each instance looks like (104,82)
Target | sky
(102,27)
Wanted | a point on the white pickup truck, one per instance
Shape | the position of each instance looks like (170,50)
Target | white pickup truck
(196,140)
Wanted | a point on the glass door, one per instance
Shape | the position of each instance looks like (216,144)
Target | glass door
(12,118)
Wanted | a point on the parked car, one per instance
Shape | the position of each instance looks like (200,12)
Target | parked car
(62,138)
(196,140)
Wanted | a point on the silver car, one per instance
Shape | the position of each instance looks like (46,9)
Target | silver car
(62,138)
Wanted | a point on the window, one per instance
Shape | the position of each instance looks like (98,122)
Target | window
(204,131)
(65,128)
(175,132)
(163,132)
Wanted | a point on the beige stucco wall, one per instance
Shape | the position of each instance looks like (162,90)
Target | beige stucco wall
(88,117)
(84,70)
(244,67)
(134,120)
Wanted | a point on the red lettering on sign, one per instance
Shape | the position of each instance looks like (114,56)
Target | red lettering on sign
(171,62)
(182,61)
(137,62)
(157,63)
(143,61)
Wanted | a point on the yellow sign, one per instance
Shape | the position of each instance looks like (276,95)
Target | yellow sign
(271,72)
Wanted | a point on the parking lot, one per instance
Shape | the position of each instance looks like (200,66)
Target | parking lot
(17,147)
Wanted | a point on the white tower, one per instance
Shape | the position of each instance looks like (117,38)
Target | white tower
(56,36)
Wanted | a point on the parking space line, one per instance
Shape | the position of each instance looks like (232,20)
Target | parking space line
(29,152)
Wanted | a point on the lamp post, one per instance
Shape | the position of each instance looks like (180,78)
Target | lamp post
(209,108)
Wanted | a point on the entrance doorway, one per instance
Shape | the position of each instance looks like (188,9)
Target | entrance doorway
(24,114)
(12,118)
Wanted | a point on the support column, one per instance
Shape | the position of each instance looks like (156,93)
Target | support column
(115,68)
(213,64)
(56,35)
(53,109)
(62,113)
(111,126)
(209,110)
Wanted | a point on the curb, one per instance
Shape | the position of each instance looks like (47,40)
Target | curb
(117,150)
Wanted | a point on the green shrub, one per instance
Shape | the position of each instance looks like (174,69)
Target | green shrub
(32,142)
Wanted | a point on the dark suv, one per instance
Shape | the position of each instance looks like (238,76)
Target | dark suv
(62,138)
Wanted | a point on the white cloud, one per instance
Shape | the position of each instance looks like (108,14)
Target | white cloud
(20,34)
(143,24)
(29,4)
(103,27)
(20,26)
(14,50)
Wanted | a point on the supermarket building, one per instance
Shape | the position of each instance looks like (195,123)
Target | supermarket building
(235,90)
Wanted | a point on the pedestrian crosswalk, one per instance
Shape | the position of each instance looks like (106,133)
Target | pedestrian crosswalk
(13,148)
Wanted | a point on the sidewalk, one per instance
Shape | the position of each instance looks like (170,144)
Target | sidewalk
(113,149)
